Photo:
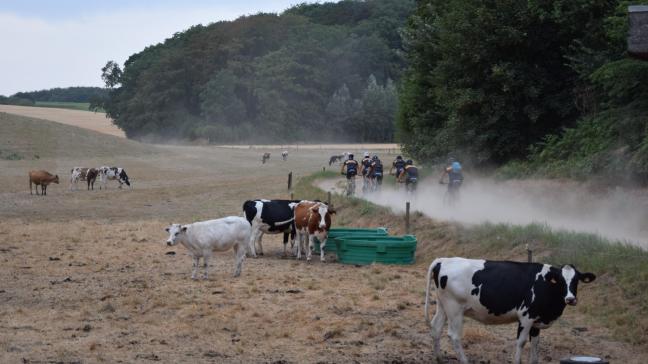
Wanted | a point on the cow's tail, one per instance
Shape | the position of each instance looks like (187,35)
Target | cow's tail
(427,289)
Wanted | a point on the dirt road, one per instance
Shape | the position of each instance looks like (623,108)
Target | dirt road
(86,276)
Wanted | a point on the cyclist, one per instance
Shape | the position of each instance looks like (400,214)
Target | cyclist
(399,165)
(409,175)
(455,177)
(351,166)
(366,164)
(376,172)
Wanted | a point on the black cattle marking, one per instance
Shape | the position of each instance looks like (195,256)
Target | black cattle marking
(444,281)
(435,272)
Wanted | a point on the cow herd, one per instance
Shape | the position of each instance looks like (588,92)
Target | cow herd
(104,173)
(492,292)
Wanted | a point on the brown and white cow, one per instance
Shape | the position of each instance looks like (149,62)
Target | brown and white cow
(312,220)
(77,174)
(42,178)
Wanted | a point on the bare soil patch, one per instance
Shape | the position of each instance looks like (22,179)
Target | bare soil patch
(86,276)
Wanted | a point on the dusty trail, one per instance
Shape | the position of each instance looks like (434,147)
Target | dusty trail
(616,214)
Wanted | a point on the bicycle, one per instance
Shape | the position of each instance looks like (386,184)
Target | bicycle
(410,186)
(451,196)
(350,186)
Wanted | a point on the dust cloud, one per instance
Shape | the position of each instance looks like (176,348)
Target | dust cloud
(616,214)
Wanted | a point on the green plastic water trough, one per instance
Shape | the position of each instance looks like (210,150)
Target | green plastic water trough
(347,231)
(364,250)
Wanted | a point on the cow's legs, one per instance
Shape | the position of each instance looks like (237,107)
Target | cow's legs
(523,334)
(253,237)
(194,272)
(436,324)
(535,339)
(43,190)
(455,331)
(30,186)
(300,244)
(285,242)
(239,251)
(260,243)
(206,261)
(309,249)
(322,245)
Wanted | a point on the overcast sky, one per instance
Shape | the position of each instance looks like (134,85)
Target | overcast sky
(47,43)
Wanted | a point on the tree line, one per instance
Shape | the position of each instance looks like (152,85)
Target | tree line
(324,72)
(541,87)
(58,94)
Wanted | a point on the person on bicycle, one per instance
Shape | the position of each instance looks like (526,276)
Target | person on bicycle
(399,165)
(376,171)
(351,166)
(409,175)
(455,177)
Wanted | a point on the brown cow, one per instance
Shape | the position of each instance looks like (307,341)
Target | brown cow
(312,219)
(42,178)
(91,177)
(265,157)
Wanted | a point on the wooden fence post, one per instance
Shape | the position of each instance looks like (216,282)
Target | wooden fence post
(529,254)
(289,181)
(407,217)
(328,198)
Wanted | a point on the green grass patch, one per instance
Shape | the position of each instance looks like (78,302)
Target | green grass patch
(621,299)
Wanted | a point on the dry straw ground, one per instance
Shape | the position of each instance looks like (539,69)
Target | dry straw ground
(85,275)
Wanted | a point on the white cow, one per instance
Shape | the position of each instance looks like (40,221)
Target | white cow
(113,173)
(205,237)
(284,155)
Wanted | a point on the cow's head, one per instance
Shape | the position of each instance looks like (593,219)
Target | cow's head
(124,177)
(565,281)
(175,233)
(324,213)
(56,180)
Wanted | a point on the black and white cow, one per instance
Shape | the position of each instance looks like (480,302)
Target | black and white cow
(498,292)
(113,173)
(270,217)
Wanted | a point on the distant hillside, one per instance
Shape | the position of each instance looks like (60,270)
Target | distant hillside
(323,72)
(28,138)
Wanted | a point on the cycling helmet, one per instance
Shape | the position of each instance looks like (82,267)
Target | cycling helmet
(366,154)
(451,160)
(399,157)
(374,157)
(350,156)
(409,162)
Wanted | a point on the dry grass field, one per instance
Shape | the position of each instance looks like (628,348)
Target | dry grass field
(86,277)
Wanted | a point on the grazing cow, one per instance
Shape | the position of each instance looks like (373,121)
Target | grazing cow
(77,174)
(312,219)
(42,178)
(269,217)
(91,177)
(335,158)
(113,173)
(496,292)
(205,237)
(265,158)
(284,155)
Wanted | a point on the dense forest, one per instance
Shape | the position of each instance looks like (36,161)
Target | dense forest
(541,87)
(67,94)
(316,72)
